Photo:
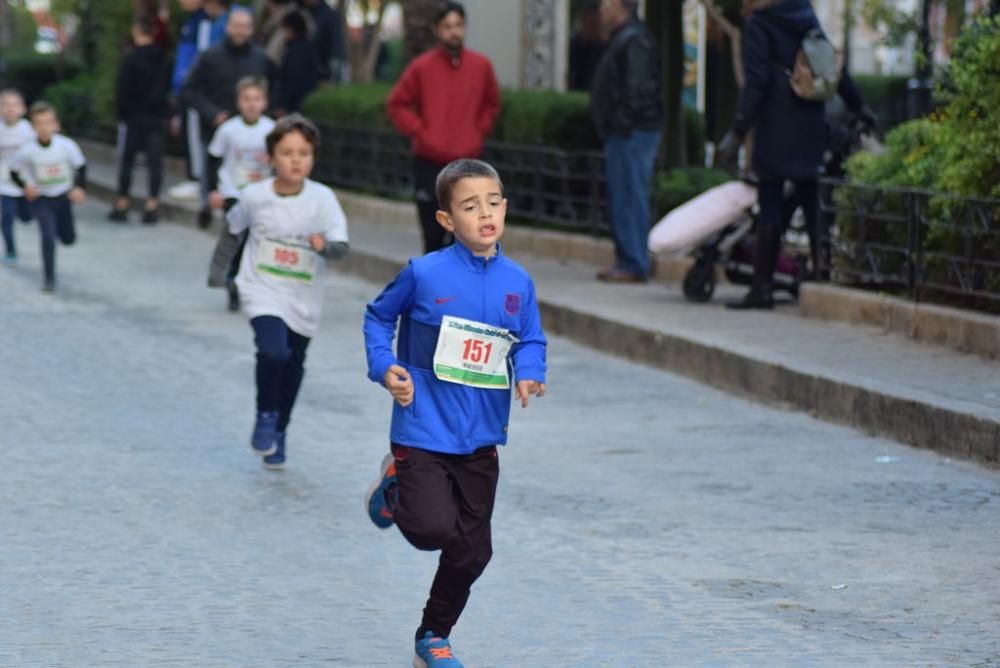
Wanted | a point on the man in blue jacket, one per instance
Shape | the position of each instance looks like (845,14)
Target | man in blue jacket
(204,26)
(467,319)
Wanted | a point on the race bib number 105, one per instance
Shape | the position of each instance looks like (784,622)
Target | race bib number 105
(289,260)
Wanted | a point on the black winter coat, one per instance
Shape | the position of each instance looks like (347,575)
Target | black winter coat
(790,132)
(626,93)
(143,82)
(299,73)
(211,85)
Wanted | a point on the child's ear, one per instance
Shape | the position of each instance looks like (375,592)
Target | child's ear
(444,220)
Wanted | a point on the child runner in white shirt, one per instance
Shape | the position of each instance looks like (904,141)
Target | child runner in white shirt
(293,223)
(53,173)
(238,157)
(15,132)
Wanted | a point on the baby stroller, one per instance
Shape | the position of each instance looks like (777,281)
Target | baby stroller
(716,228)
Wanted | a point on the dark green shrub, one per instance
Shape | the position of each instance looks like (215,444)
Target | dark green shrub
(31,74)
(886,95)
(361,105)
(677,186)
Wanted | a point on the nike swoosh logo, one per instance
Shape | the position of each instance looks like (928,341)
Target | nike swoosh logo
(443,300)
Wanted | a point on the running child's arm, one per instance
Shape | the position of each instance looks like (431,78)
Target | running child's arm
(528,355)
(381,317)
(332,244)
(20,174)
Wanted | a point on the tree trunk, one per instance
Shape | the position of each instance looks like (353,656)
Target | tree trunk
(418,26)
(666,21)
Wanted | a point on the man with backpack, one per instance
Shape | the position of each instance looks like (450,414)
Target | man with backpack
(791,70)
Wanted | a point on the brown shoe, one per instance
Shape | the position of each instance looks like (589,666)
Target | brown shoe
(615,275)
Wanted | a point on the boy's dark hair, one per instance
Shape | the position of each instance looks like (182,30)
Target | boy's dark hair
(41,107)
(447,8)
(251,82)
(295,22)
(458,170)
(288,125)
(224,3)
(144,24)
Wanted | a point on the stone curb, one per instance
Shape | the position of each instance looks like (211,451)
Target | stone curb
(968,332)
(915,423)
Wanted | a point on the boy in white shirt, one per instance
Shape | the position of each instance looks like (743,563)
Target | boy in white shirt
(53,173)
(15,132)
(294,224)
(238,157)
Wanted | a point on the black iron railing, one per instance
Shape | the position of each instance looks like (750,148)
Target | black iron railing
(927,245)
(546,186)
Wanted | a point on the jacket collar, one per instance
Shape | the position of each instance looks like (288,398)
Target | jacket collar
(455,60)
(466,257)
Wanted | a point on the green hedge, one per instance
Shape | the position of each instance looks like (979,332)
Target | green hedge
(886,95)
(548,118)
(676,186)
(32,74)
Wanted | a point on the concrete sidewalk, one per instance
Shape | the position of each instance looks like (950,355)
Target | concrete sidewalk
(923,395)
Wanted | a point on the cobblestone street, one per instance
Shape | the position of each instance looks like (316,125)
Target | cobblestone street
(643,520)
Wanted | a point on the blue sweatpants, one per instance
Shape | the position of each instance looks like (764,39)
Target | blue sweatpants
(11,208)
(281,358)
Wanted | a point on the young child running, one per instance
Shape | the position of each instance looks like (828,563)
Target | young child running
(15,132)
(467,317)
(293,224)
(238,157)
(53,173)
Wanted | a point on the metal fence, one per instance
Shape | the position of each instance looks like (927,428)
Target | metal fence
(546,186)
(928,245)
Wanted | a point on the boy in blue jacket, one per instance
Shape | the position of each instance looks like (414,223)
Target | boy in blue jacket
(468,321)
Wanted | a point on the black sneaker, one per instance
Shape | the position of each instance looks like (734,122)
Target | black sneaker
(204,218)
(49,285)
(118,215)
(151,216)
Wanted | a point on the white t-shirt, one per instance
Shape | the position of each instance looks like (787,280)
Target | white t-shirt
(280,275)
(243,150)
(52,168)
(12,138)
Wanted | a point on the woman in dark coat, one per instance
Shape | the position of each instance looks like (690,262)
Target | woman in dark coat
(300,66)
(790,133)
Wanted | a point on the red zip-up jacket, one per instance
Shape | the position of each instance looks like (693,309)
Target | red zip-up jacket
(446,107)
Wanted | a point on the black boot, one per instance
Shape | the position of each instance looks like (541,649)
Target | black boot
(764,260)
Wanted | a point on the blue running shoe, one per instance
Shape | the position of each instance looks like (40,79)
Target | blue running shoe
(381,497)
(265,434)
(276,460)
(435,652)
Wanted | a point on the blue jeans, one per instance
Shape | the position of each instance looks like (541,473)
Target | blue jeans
(10,208)
(628,165)
(55,221)
(281,357)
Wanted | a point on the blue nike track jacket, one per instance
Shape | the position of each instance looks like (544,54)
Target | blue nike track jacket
(449,417)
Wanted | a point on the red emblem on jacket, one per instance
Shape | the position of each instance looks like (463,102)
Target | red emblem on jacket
(512,304)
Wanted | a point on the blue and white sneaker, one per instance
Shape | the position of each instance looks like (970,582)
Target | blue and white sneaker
(265,434)
(380,500)
(433,652)
(276,460)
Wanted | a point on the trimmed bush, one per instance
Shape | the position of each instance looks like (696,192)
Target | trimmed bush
(547,118)
(886,95)
(32,74)
(677,186)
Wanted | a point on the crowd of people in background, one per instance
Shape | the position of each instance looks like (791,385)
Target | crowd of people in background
(294,46)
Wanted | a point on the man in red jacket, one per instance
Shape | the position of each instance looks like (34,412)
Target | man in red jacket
(446,102)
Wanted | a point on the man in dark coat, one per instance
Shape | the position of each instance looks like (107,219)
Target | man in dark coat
(790,132)
(627,108)
(210,88)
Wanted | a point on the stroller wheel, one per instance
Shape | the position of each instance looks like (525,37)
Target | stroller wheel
(699,282)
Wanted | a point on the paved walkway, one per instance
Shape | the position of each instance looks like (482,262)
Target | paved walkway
(859,375)
(643,520)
